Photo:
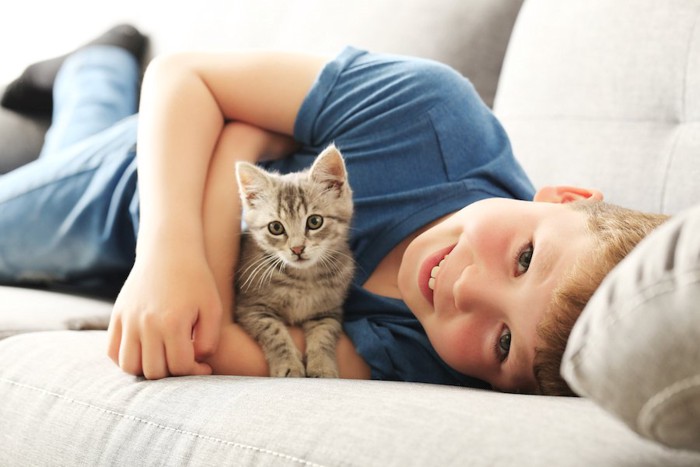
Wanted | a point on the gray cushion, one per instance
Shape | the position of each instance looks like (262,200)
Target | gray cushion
(65,403)
(635,350)
(27,310)
(606,94)
(469,35)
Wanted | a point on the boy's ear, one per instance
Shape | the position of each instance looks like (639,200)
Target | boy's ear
(566,194)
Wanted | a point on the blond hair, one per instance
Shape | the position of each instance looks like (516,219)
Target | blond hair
(616,231)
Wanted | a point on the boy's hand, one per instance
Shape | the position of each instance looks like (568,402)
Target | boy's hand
(167,317)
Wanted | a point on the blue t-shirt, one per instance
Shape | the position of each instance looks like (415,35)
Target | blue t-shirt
(418,144)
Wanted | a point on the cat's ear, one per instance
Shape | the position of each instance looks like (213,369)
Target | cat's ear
(252,181)
(329,169)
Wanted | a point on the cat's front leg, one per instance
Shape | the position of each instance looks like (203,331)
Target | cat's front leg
(322,334)
(283,357)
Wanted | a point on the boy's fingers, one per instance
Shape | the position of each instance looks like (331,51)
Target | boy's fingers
(206,333)
(130,353)
(153,360)
(179,352)
(202,369)
(114,337)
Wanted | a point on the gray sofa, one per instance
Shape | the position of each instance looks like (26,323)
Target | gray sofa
(600,93)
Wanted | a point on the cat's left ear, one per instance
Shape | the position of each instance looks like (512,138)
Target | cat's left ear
(251,181)
(329,169)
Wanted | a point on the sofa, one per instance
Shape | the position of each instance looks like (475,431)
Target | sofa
(598,93)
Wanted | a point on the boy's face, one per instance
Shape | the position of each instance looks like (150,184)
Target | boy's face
(502,260)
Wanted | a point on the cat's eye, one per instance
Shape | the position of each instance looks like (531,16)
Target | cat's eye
(314,222)
(275,228)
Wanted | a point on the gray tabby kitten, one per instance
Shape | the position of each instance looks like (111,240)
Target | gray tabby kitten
(295,264)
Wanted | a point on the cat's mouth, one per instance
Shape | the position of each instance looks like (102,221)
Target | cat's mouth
(299,261)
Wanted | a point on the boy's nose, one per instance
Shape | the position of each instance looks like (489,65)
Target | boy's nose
(476,291)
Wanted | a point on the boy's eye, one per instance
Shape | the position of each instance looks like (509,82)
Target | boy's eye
(523,259)
(275,228)
(503,345)
(314,222)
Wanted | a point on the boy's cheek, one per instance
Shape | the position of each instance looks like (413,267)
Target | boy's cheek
(462,347)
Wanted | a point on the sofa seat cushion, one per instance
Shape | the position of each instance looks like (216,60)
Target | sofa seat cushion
(635,350)
(29,310)
(62,393)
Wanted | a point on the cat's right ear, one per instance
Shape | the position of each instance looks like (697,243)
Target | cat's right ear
(329,169)
(252,181)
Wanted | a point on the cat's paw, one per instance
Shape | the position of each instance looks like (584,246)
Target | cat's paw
(321,368)
(288,368)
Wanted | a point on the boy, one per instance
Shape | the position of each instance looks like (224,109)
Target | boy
(454,270)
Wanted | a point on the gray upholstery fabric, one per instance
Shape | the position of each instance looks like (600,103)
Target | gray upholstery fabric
(606,94)
(75,407)
(469,35)
(27,310)
(635,350)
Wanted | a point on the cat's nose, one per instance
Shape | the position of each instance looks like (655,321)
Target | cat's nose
(298,250)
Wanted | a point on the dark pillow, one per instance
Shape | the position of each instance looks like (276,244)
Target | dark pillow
(21,138)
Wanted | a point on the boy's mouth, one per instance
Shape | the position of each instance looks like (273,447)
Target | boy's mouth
(434,273)
(429,270)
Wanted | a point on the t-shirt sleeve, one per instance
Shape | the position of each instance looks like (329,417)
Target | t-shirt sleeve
(410,112)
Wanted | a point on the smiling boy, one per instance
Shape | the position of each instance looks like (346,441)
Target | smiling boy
(457,267)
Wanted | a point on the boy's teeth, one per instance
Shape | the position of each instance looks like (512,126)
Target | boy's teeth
(434,273)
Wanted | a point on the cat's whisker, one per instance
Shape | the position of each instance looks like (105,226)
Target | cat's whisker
(266,272)
(337,254)
(334,262)
(261,265)
(256,264)
(330,263)
(277,264)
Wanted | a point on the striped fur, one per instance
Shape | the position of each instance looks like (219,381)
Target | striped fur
(295,265)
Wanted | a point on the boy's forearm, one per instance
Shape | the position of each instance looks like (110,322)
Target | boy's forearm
(222,207)
(175,149)
(238,354)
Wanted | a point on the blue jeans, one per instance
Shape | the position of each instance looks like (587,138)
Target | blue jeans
(73,213)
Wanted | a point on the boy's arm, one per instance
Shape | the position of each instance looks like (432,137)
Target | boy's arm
(168,314)
(239,354)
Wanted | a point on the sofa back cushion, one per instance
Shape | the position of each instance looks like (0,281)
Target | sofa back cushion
(469,35)
(606,94)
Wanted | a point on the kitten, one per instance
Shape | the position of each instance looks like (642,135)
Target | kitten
(295,263)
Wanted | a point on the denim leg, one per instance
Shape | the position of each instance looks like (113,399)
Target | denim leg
(72,214)
(95,88)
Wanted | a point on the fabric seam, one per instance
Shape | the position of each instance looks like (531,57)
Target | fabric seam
(648,418)
(162,427)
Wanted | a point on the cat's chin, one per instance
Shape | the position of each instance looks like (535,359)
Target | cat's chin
(301,264)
